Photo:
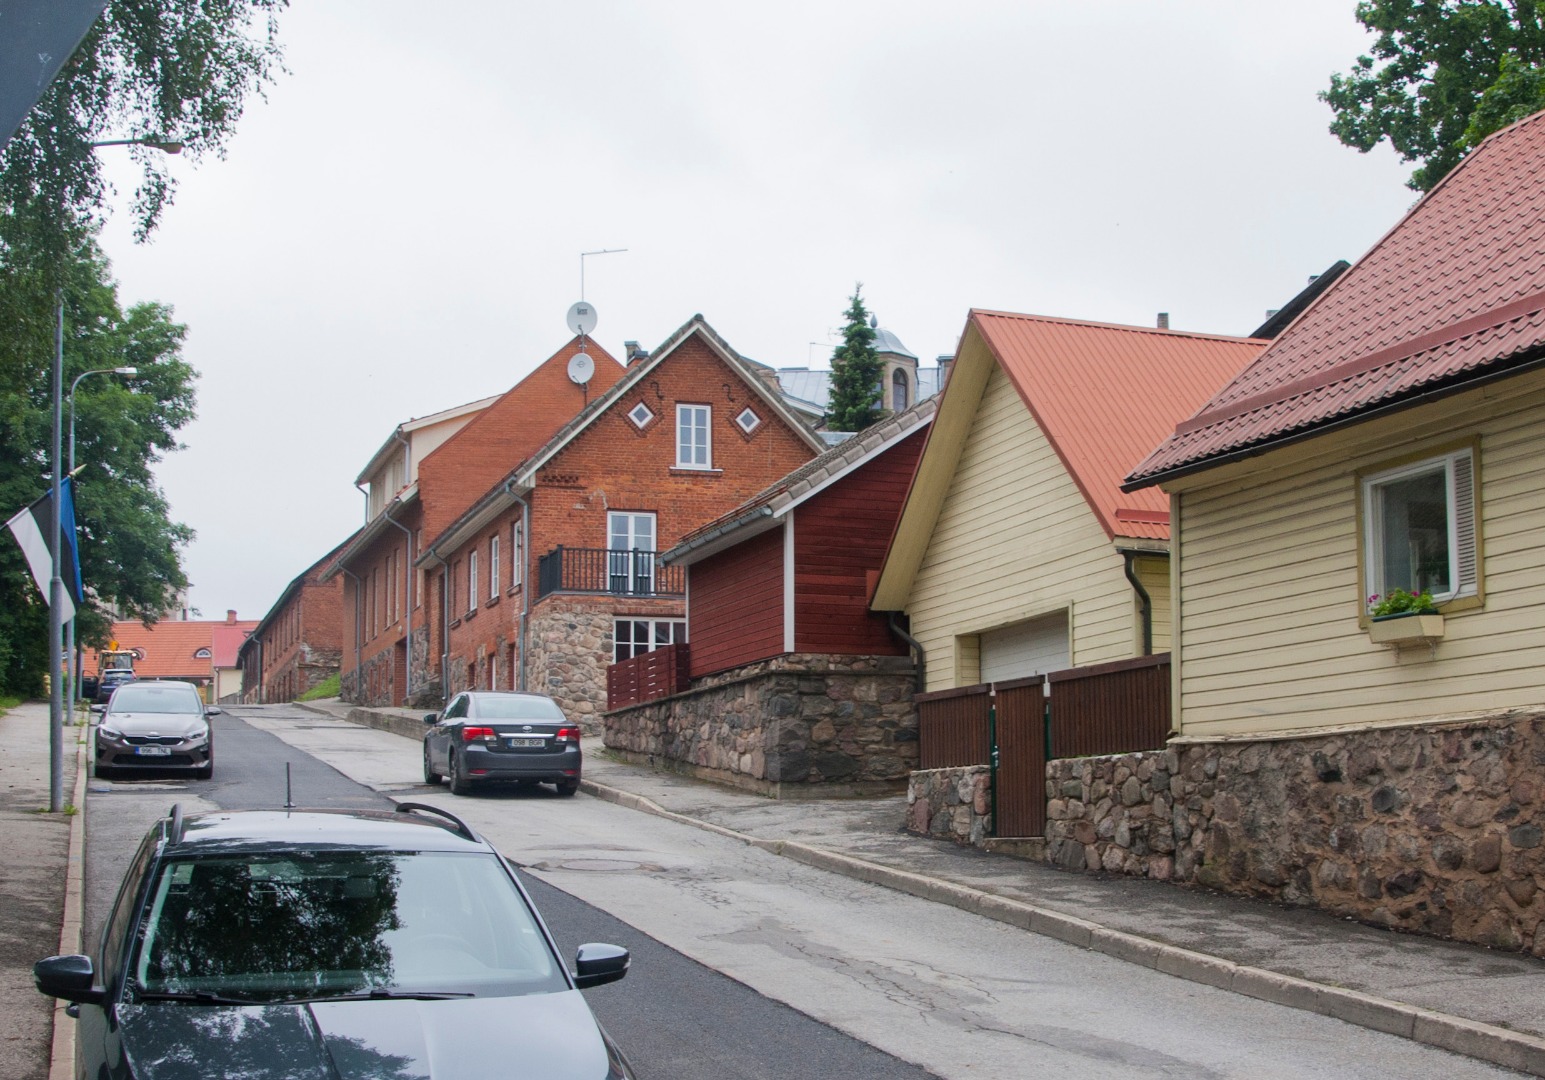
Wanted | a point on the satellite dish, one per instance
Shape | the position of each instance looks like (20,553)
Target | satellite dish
(582,318)
(581,368)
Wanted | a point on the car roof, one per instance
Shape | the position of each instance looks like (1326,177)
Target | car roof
(251,831)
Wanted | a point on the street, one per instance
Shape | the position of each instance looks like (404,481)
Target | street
(749,965)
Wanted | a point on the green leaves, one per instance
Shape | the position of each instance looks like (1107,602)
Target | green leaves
(855,385)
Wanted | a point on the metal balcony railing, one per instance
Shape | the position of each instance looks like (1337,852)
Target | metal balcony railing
(614,571)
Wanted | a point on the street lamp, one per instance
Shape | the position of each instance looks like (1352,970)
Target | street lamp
(69,645)
(56,492)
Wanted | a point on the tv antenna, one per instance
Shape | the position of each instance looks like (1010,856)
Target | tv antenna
(582,320)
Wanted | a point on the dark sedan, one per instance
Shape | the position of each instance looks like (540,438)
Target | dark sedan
(490,736)
(155,725)
(342,945)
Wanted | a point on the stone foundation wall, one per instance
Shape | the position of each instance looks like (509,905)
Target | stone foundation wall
(951,804)
(803,720)
(1433,828)
(569,648)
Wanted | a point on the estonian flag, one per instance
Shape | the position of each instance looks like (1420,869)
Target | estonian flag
(31,527)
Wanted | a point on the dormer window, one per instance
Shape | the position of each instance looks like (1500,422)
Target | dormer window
(202,654)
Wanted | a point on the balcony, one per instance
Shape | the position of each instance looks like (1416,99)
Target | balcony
(608,572)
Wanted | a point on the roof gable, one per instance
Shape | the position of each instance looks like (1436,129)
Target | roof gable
(1454,292)
(169,649)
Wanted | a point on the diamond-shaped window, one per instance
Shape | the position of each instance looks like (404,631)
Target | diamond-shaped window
(748,421)
(640,415)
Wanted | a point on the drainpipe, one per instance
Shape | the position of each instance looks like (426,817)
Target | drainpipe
(359,630)
(525,585)
(407,572)
(917,648)
(1127,560)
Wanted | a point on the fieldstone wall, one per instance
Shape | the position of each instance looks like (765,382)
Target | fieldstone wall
(1433,828)
(802,721)
(951,804)
(568,649)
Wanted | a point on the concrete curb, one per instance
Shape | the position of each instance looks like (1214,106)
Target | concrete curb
(1486,1042)
(62,1059)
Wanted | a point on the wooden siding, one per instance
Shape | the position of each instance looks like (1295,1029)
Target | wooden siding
(840,537)
(1016,539)
(1271,639)
(1154,574)
(735,611)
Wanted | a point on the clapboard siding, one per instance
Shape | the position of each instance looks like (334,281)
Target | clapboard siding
(735,606)
(1271,597)
(840,537)
(1016,539)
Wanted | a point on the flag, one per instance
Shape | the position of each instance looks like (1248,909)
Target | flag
(31,529)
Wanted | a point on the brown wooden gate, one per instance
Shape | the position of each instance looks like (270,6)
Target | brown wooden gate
(1019,794)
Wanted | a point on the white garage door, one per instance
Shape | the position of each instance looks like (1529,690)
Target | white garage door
(1027,648)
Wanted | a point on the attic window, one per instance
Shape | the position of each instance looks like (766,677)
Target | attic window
(640,415)
(748,421)
(202,654)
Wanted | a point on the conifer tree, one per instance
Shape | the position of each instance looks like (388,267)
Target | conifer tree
(855,385)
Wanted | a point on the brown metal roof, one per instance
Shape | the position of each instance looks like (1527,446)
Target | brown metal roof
(1105,395)
(1454,292)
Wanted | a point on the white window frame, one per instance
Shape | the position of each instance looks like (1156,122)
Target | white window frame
(748,420)
(1461,487)
(694,436)
(517,553)
(674,630)
(631,551)
(493,567)
(471,581)
(640,415)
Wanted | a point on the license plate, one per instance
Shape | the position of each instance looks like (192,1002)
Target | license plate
(153,751)
(526,744)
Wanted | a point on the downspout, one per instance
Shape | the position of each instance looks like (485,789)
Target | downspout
(407,569)
(1127,560)
(916,646)
(525,584)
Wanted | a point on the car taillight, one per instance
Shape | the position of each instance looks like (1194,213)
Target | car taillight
(469,734)
(570,734)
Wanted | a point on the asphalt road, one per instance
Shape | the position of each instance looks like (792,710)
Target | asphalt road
(674,1017)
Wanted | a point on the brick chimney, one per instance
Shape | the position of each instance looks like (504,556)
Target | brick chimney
(633,353)
(230,615)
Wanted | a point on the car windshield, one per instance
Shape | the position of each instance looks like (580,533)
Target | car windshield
(320,924)
(516,708)
(148,698)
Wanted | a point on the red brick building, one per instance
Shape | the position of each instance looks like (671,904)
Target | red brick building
(552,573)
(299,643)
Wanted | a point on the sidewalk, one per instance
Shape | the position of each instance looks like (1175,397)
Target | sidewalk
(1474,1001)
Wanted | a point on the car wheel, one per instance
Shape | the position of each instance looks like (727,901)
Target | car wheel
(206,772)
(430,776)
(568,787)
(459,784)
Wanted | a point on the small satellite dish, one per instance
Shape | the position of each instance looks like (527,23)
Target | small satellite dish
(582,318)
(581,368)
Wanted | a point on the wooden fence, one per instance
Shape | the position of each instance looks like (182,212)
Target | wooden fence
(953,727)
(1113,708)
(648,676)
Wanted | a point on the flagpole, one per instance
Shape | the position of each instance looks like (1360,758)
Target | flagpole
(56,582)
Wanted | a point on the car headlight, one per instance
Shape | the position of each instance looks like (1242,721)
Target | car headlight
(202,735)
(110,733)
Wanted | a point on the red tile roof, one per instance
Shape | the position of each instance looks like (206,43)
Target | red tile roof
(168,650)
(1454,292)
(1105,395)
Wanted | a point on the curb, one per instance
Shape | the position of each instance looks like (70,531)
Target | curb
(1487,1042)
(62,1059)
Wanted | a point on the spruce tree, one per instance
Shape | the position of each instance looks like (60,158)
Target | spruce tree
(855,386)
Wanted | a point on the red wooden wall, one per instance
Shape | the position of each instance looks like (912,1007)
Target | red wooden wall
(735,605)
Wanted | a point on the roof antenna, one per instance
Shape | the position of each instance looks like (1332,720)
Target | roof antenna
(582,319)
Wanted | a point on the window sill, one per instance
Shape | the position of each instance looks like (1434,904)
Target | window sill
(492,601)
(455,623)
(512,590)
(469,616)
(688,470)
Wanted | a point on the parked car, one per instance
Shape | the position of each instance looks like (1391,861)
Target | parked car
(155,725)
(110,680)
(490,736)
(326,944)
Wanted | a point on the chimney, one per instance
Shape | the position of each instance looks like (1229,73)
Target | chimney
(230,615)
(1163,320)
(945,361)
(633,353)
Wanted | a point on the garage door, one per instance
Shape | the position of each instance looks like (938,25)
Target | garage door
(1028,648)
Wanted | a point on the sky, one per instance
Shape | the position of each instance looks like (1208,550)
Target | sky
(397,228)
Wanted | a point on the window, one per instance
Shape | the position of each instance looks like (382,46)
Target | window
(202,654)
(1419,528)
(630,553)
(640,415)
(692,448)
(517,554)
(632,637)
(472,581)
(899,390)
(493,568)
(748,421)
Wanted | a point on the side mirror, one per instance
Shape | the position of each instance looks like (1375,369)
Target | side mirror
(596,964)
(431,718)
(99,709)
(69,977)
(214,710)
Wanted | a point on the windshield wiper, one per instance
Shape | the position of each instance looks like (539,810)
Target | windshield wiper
(383,995)
(198,997)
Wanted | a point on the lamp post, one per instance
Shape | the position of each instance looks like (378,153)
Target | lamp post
(56,491)
(69,645)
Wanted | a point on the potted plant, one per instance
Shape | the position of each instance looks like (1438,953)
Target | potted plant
(1400,616)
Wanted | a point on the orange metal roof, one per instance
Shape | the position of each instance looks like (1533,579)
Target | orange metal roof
(168,649)
(1454,292)
(1105,395)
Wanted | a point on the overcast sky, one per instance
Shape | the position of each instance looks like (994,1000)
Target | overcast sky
(397,229)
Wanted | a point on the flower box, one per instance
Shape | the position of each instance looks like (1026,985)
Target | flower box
(1406,628)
